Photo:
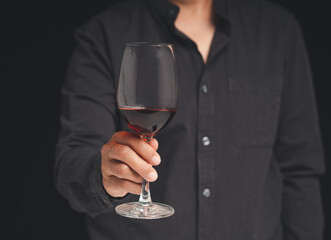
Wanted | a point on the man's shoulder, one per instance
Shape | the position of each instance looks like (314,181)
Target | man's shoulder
(122,9)
(262,14)
(117,15)
(259,6)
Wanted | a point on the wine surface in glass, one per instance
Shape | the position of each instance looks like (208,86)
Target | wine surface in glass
(146,121)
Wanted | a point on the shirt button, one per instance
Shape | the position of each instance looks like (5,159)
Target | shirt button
(204,88)
(206,192)
(205,141)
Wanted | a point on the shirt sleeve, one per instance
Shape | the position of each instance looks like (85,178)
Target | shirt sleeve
(298,147)
(88,120)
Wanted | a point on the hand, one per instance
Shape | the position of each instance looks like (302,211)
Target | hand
(126,160)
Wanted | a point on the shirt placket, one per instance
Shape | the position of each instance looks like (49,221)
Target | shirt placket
(206,175)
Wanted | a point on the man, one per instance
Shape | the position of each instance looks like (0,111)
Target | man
(242,156)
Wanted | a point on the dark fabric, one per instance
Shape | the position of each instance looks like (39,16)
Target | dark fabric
(246,127)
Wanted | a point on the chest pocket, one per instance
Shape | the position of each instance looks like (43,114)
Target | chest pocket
(255,104)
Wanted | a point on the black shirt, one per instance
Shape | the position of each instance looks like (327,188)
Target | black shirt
(240,159)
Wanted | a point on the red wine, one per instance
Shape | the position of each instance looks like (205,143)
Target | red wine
(146,121)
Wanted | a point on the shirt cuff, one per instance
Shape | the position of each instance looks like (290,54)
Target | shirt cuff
(104,202)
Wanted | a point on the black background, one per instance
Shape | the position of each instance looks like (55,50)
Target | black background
(36,41)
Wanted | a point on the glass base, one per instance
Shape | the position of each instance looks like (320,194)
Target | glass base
(144,211)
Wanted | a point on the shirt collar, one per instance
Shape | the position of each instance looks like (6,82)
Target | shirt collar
(169,11)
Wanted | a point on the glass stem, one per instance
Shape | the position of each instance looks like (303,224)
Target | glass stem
(145,196)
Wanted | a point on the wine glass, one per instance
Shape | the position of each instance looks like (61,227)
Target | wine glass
(147,101)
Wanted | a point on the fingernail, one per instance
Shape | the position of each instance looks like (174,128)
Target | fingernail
(156,160)
(152,176)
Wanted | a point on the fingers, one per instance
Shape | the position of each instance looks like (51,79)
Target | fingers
(126,155)
(154,144)
(126,160)
(121,170)
(118,187)
(142,148)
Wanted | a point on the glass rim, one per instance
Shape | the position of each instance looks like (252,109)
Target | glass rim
(152,44)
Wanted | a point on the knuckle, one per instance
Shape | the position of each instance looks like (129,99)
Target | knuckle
(122,134)
(125,184)
(123,169)
(130,138)
(111,145)
(111,152)
(117,134)
(133,140)
(123,150)
(103,149)
(106,171)
(103,169)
